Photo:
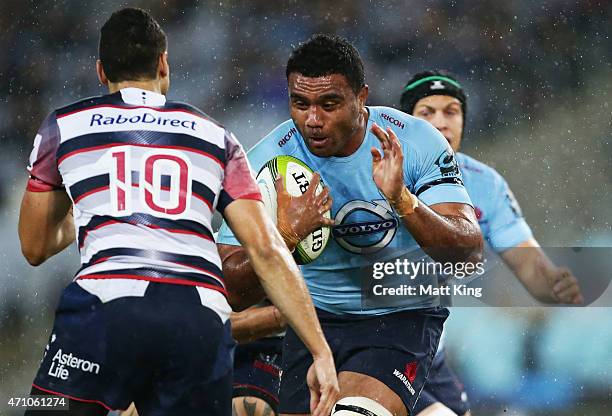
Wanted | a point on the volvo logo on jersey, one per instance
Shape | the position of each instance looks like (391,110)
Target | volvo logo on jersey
(364,227)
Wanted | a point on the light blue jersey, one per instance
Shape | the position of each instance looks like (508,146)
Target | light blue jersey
(499,214)
(366,230)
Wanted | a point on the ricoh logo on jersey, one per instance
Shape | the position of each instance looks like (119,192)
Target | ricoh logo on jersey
(392,120)
(287,137)
(61,363)
(364,227)
(144,118)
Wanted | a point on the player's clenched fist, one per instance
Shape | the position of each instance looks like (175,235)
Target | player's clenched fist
(563,284)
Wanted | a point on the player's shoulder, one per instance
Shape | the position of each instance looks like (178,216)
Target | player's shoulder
(394,118)
(283,139)
(87,103)
(478,170)
(190,109)
(209,121)
(116,100)
(410,130)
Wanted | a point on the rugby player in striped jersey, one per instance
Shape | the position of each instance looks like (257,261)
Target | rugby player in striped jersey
(134,179)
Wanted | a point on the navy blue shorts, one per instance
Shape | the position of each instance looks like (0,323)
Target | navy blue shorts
(257,370)
(444,387)
(397,349)
(164,351)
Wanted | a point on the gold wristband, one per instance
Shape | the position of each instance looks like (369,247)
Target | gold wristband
(405,204)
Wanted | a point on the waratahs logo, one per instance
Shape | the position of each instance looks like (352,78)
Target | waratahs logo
(447,164)
(364,227)
(514,205)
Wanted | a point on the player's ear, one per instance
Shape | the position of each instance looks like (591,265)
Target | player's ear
(363,95)
(163,68)
(100,72)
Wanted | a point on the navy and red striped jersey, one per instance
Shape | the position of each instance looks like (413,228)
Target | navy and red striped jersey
(145,176)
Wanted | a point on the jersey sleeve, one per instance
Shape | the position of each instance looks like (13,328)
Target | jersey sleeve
(434,170)
(507,226)
(43,168)
(226,236)
(256,160)
(238,181)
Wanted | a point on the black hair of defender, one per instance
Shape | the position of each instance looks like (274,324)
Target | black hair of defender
(131,42)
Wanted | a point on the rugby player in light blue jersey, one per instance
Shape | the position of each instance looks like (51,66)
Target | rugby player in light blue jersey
(380,166)
(438,98)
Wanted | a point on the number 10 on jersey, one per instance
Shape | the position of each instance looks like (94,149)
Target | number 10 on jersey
(162,181)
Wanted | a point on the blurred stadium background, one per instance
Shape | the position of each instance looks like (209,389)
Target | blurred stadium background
(539,80)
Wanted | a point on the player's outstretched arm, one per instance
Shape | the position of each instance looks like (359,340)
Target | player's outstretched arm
(282,281)
(255,323)
(446,231)
(46,225)
(544,281)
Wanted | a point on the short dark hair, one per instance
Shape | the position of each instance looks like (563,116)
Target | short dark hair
(131,42)
(325,55)
(422,85)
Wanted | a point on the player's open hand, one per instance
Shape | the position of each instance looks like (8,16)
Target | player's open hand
(323,385)
(388,171)
(563,284)
(298,216)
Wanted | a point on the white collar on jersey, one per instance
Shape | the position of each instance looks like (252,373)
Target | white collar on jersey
(137,96)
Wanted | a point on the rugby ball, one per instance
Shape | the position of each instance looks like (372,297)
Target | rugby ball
(296,179)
